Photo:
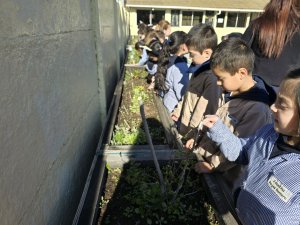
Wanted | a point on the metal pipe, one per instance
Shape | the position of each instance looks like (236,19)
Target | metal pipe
(149,140)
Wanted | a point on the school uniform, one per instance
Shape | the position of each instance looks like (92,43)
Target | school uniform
(243,114)
(177,79)
(202,97)
(268,192)
(151,67)
(144,58)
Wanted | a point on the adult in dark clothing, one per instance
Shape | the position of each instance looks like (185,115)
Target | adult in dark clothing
(275,39)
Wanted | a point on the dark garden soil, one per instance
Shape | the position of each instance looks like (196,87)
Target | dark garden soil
(132,196)
(129,129)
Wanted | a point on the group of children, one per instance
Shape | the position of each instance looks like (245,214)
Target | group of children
(233,121)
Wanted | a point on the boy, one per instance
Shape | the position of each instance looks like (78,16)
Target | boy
(247,101)
(268,190)
(203,94)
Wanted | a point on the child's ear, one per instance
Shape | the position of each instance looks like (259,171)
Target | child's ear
(184,48)
(243,72)
(207,52)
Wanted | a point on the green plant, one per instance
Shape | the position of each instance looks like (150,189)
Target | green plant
(138,92)
(131,74)
(133,39)
(128,136)
(145,200)
(103,202)
(133,55)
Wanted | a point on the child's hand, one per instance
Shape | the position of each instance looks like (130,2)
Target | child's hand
(210,120)
(174,118)
(203,167)
(189,144)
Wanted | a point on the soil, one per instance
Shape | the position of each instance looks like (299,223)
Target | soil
(129,117)
(120,206)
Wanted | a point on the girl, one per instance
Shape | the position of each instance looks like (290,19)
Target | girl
(150,36)
(172,75)
(153,50)
(164,26)
(269,190)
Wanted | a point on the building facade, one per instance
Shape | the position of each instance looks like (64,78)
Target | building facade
(225,16)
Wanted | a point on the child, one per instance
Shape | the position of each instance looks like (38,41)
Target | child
(203,93)
(143,29)
(232,35)
(247,102)
(153,50)
(172,74)
(164,26)
(150,36)
(269,189)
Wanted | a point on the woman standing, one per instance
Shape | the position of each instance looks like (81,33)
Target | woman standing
(275,39)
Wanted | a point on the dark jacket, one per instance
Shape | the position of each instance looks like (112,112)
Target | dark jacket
(243,114)
(272,70)
(202,97)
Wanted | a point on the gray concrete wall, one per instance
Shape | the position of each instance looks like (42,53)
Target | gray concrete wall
(59,64)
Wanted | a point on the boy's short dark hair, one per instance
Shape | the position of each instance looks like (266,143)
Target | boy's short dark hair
(232,35)
(231,55)
(202,36)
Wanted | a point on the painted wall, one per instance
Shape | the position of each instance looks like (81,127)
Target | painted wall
(60,61)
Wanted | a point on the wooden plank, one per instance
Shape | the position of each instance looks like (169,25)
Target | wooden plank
(165,119)
(134,66)
(119,157)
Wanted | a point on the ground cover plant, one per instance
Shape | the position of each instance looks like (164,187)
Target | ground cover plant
(133,196)
(133,55)
(129,128)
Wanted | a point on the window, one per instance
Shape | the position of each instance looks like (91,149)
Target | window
(236,19)
(143,16)
(150,16)
(175,18)
(157,15)
(209,17)
(253,16)
(241,20)
(231,19)
(186,18)
(190,18)
(220,19)
(197,17)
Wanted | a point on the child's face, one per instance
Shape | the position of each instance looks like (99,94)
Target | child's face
(198,57)
(153,58)
(230,83)
(141,37)
(286,116)
(168,31)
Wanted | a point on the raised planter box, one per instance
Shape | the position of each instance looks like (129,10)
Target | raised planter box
(116,156)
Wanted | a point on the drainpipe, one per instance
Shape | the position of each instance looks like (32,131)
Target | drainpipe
(216,16)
